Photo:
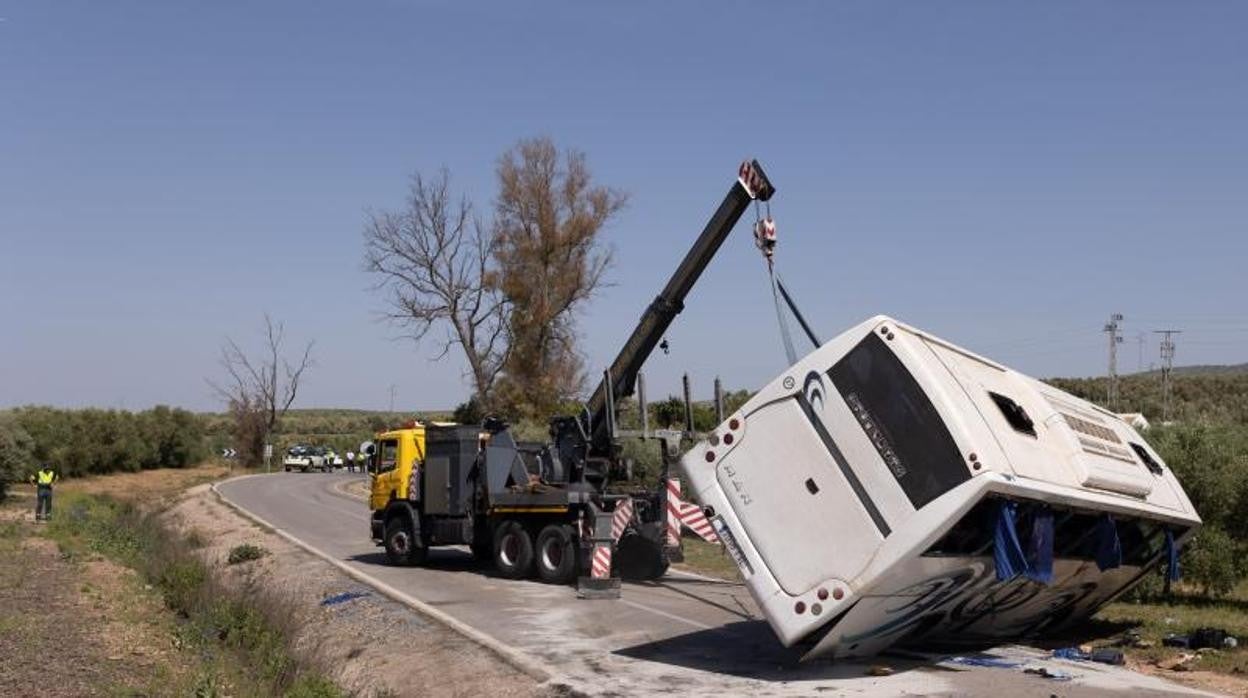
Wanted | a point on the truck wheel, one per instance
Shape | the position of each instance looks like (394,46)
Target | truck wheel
(556,554)
(402,548)
(513,550)
(482,546)
(639,558)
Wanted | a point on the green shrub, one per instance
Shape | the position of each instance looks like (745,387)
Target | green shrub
(94,441)
(16,452)
(1214,561)
(245,553)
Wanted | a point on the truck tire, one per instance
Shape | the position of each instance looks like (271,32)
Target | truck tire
(639,558)
(513,550)
(402,548)
(556,554)
(482,544)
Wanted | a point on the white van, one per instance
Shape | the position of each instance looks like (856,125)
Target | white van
(859,493)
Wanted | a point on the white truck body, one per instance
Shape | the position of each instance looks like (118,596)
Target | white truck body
(854,489)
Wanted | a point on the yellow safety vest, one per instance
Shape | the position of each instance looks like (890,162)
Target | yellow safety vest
(46,476)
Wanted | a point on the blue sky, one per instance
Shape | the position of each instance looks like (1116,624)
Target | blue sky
(1003,174)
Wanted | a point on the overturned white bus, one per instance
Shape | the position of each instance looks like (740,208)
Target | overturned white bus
(891,488)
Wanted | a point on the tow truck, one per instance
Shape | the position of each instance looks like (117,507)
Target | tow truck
(561,510)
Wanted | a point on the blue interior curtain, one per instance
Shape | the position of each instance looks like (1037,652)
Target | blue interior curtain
(1040,546)
(1108,547)
(1006,550)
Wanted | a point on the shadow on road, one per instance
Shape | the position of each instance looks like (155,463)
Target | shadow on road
(748,649)
(440,559)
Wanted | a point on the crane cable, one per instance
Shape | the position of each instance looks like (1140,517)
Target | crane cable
(765,239)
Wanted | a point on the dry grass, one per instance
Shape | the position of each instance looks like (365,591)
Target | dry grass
(241,638)
(709,559)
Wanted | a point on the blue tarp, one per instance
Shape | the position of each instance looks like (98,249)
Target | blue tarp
(1172,558)
(1040,546)
(1006,551)
(343,597)
(1108,547)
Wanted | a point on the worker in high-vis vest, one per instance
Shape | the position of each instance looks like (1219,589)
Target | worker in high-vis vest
(43,483)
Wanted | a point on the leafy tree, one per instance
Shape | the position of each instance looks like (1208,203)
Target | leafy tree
(548,217)
(16,452)
(468,412)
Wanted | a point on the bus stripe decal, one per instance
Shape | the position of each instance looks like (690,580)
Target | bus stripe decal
(854,483)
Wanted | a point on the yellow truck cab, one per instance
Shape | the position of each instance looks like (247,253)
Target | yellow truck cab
(396,455)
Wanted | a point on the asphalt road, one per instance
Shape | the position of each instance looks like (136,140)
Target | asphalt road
(681,633)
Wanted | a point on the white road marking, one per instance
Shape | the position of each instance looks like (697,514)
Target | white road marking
(665,614)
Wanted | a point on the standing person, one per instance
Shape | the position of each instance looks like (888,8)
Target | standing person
(43,495)
(351,461)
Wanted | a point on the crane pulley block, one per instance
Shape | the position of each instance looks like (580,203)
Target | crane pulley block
(755,181)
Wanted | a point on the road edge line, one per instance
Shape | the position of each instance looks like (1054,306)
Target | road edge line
(533,668)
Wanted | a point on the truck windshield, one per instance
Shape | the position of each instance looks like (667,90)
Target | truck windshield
(900,421)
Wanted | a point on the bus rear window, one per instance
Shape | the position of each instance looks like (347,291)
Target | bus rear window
(900,421)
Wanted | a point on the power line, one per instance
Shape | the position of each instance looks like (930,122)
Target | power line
(1167,368)
(1114,330)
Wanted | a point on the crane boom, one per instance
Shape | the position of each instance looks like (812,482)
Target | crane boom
(752,184)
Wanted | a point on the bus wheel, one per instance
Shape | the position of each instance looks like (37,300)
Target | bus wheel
(556,554)
(513,550)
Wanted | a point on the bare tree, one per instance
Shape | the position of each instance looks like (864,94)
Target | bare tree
(433,260)
(548,216)
(260,389)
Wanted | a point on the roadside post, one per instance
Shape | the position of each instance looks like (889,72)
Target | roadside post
(268,457)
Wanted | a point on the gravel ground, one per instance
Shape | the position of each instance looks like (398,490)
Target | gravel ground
(369,645)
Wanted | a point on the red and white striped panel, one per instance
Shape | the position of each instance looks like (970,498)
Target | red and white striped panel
(673,512)
(691,516)
(601,565)
(620,517)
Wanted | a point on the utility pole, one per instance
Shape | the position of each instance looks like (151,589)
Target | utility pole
(1139,362)
(1167,369)
(1114,330)
(393,389)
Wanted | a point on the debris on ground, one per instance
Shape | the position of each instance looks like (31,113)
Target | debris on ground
(985,661)
(342,598)
(879,670)
(1045,672)
(1134,638)
(1085,653)
(1201,638)
(1175,640)
(1183,662)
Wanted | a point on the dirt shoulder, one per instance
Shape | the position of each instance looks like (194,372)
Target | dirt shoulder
(77,623)
(368,644)
(71,627)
